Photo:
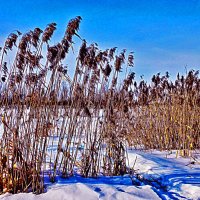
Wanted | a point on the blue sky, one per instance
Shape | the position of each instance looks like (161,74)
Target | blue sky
(164,34)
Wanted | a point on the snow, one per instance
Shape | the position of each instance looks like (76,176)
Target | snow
(69,192)
(189,191)
(80,191)
(175,178)
(164,175)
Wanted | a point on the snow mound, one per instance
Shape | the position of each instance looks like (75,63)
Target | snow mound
(80,191)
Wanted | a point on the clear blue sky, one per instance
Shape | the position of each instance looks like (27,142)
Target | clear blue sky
(164,34)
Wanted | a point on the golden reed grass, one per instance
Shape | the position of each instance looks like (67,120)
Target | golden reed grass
(53,124)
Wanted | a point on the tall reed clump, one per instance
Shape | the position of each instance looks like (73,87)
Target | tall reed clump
(49,129)
(56,125)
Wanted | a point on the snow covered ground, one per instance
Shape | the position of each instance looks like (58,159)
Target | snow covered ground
(162,177)
(170,177)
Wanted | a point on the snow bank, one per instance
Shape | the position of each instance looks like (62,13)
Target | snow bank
(79,191)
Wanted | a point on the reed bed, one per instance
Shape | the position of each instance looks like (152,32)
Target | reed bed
(56,125)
